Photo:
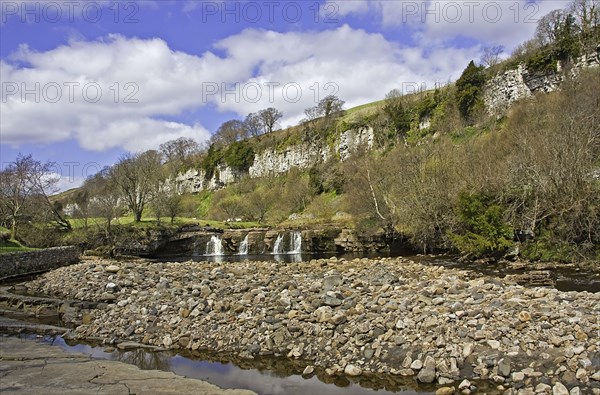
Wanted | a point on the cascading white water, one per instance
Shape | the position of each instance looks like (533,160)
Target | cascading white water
(296,243)
(214,247)
(277,247)
(243,250)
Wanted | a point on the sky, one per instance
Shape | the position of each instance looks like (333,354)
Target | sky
(84,82)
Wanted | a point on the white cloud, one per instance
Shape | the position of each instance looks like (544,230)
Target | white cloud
(360,67)
(105,94)
(501,22)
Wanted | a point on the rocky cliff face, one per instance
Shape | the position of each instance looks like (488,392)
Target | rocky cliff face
(195,180)
(508,87)
(272,161)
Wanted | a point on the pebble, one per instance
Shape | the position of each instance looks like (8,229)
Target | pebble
(308,370)
(112,269)
(352,370)
(559,389)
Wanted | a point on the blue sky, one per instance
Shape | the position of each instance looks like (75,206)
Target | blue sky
(84,82)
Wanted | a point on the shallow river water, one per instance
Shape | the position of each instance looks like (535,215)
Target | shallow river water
(266,376)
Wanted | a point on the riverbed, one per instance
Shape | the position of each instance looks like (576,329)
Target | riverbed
(347,318)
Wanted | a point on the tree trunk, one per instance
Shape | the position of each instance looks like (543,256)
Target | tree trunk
(138,216)
(13,229)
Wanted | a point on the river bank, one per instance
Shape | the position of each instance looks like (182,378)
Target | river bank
(29,367)
(439,326)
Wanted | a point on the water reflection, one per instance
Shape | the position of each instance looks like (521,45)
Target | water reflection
(264,375)
(280,258)
(143,359)
(288,258)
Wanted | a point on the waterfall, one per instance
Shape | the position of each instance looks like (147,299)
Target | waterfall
(243,250)
(296,243)
(214,247)
(277,246)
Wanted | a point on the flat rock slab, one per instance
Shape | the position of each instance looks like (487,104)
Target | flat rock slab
(28,367)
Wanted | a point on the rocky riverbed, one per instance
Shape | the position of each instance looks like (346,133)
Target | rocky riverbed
(387,316)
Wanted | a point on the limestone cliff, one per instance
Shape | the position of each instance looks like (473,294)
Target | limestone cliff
(504,89)
(272,161)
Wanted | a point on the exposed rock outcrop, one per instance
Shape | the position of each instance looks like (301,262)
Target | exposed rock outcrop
(273,161)
(506,88)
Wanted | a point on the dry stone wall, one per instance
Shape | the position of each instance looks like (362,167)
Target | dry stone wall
(21,263)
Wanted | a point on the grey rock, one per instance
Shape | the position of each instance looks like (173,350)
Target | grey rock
(331,282)
(504,367)
(427,373)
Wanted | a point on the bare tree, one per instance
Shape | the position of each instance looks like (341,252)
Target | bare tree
(26,182)
(105,201)
(491,55)
(549,26)
(137,177)
(327,106)
(82,200)
(166,202)
(253,125)
(269,118)
(587,18)
(176,152)
(330,105)
(229,132)
(312,113)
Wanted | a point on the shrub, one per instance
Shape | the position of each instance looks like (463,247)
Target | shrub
(483,228)
(239,155)
(468,89)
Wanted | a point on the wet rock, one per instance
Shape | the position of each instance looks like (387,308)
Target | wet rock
(352,370)
(254,348)
(445,391)
(384,315)
(427,373)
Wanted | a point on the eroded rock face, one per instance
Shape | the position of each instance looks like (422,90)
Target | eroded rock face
(506,88)
(388,315)
(273,161)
